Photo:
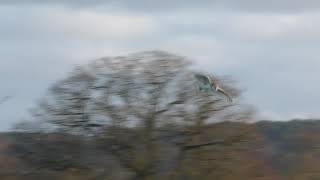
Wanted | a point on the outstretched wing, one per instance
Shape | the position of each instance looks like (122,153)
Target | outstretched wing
(203,79)
(223,92)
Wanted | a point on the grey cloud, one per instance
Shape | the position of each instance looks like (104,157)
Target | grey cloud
(277,6)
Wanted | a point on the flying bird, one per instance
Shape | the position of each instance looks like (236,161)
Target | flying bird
(206,84)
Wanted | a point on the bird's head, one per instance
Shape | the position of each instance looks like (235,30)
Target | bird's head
(214,85)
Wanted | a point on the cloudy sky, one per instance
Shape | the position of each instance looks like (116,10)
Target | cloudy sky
(270,46)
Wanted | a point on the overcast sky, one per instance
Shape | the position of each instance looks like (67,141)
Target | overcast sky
(272,47)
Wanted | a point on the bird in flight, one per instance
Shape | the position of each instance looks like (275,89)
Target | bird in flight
(206,84)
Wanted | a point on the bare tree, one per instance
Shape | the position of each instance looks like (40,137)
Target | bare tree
(141,100)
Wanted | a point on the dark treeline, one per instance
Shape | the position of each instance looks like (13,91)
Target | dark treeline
(268,150)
